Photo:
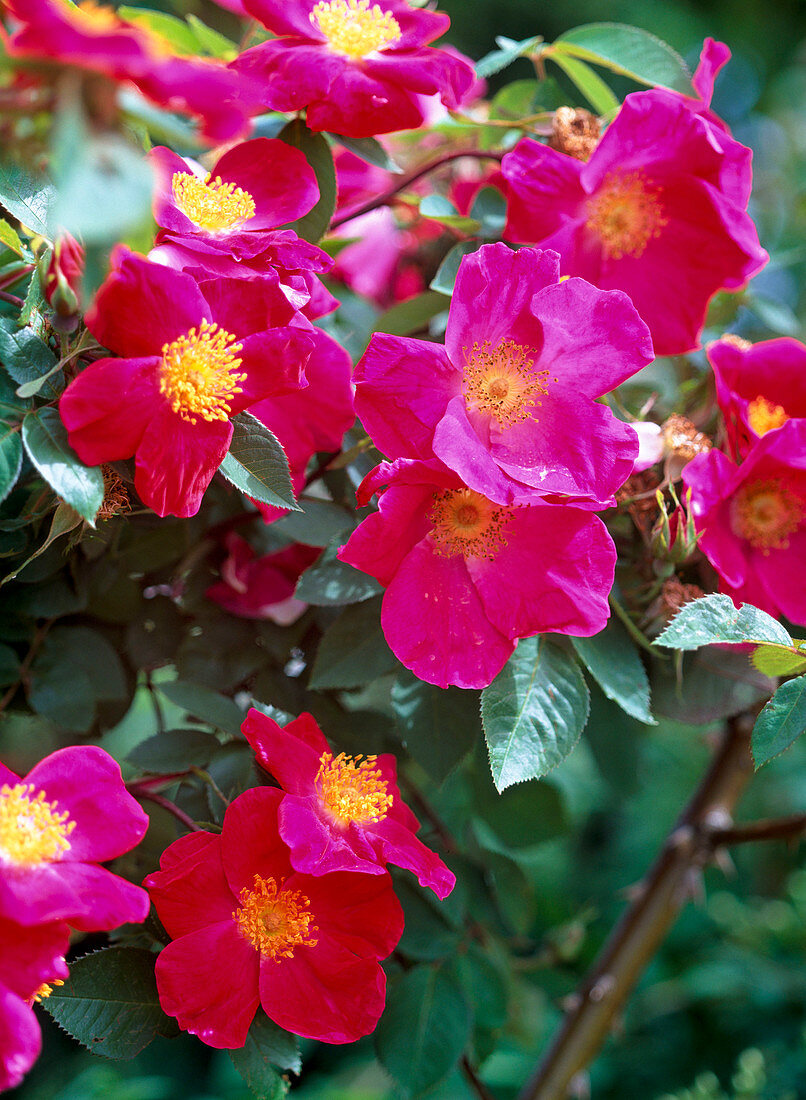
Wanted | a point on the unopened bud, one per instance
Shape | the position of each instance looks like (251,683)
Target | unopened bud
(575,132)
(61,281)
(674,536)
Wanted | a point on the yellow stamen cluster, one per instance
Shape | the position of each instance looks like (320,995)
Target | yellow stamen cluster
(626,214)
(352,789)
(766,513)
(353,28)
(501,380)
(95,17)
(273,920)
(45,990)
(763,415)
(212,204)
(465,522)
(199,373)
(31,829)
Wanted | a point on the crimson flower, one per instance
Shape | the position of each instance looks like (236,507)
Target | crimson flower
(262,587)
(466,577)
(192,355)
(358,67)
(248,929)
(341,813)
(70,813)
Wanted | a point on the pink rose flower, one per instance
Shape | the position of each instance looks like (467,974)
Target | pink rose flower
(262,587)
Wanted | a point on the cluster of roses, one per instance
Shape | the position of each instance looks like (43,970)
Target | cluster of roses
(294,894)
(70,813)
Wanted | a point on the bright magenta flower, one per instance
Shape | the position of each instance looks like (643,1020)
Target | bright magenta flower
(358,67)
(753,520)
(341,813)
(466,577)
(759,387)
(69,814)
(92,36)
(30,960)
(262,587)
(510,403)
(248,929)
(659,211)
(191,356)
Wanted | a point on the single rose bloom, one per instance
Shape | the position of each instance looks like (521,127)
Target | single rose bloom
(247,929)
(31,960)
(753,520)
(658,211)
(510,402)
(92,36)
(262,587)
(759,387)
(191,356)
(57,823)
(358,67)
(341,813)
(61,281)
(466,577)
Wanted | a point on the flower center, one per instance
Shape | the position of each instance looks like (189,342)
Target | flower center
(763,416)
(275,921)
(353,28)
(199,373)
(626,214)
(94,16)
(501,381)
(352,789)
(45,990)
(466,523)
(211,204)
(31,831)
(766,513)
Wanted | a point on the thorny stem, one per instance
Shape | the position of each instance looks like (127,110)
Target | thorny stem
(780,828)
(387,196)
(700,829)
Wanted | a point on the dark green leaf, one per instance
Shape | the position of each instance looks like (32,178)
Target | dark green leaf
(413,314)
(507,52)
(25,196)
(520,817)
(613,661)
(370,150)
(781,722)
(594,89)
(204,704)
(45,439)
(533,712)
(714,619)
(174,751)
(26,357)
(427,934)
(9,665)
(75,670)
(10,459)
(333,583)
(110,1004)
(484,986)
(353,651)
(713,683)
(629,51)
(424,1029)
(64,519)
(316,522)
(440,726)
(266,1047)
(490,211)
(256,463)
(313,226)
(445,278)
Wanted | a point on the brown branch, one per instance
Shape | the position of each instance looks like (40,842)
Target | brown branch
(11,298)
(25,666)
(474,1080)
(171,807)
(657,901)
(386,197)
(781,828)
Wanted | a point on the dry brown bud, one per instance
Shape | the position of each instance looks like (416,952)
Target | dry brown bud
(575,132)
(682,439)
(737,341)
(116,500)
(675,595)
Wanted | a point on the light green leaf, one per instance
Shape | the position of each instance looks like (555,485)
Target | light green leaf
(445,278)
(26,196)
(313,226)
(44,437)
(173,30)
(613,661)
(439,209)
(412,315)
(370,150)
(256,463)
(10,459)
(508,51)
(353,651)
(533,712)
(210,41)
(27,358)
(628,51)
(781,722)
(594,89)
(490,211)
(779,660)
(714,619)
(10,238)
(333,583)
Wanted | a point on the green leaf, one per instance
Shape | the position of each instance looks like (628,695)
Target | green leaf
(10,238)
(594,89)
(64,519)
(413,314)
(76,669)
(10,459)
(109,1003)
(445,278)
(520,817)
(613,661)
(628,51)
(44,437)
(26,357)
(353,651)
(533,712)
(439,209)
(313,226)
(490,211)
(370,150)
(714,619)
(210,41)
(779,660)
(781,722)
(267,1046)
(173,30)
(333,583)
(204,704)
(440,726)
(257,465)
(32,312)
(316,522)
(26,196)
(174,751)
(509,50)
(714,683)
(424,1029)
(9,665)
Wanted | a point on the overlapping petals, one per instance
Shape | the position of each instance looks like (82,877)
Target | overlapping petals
(262,587)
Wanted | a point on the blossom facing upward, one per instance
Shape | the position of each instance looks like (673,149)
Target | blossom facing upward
(262,587)
(510,403)
(466,577)
(248,929)
(759,387)
(341,813)
(753,519)
(192,355)
(70,813)
(358,67)
(658,211)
